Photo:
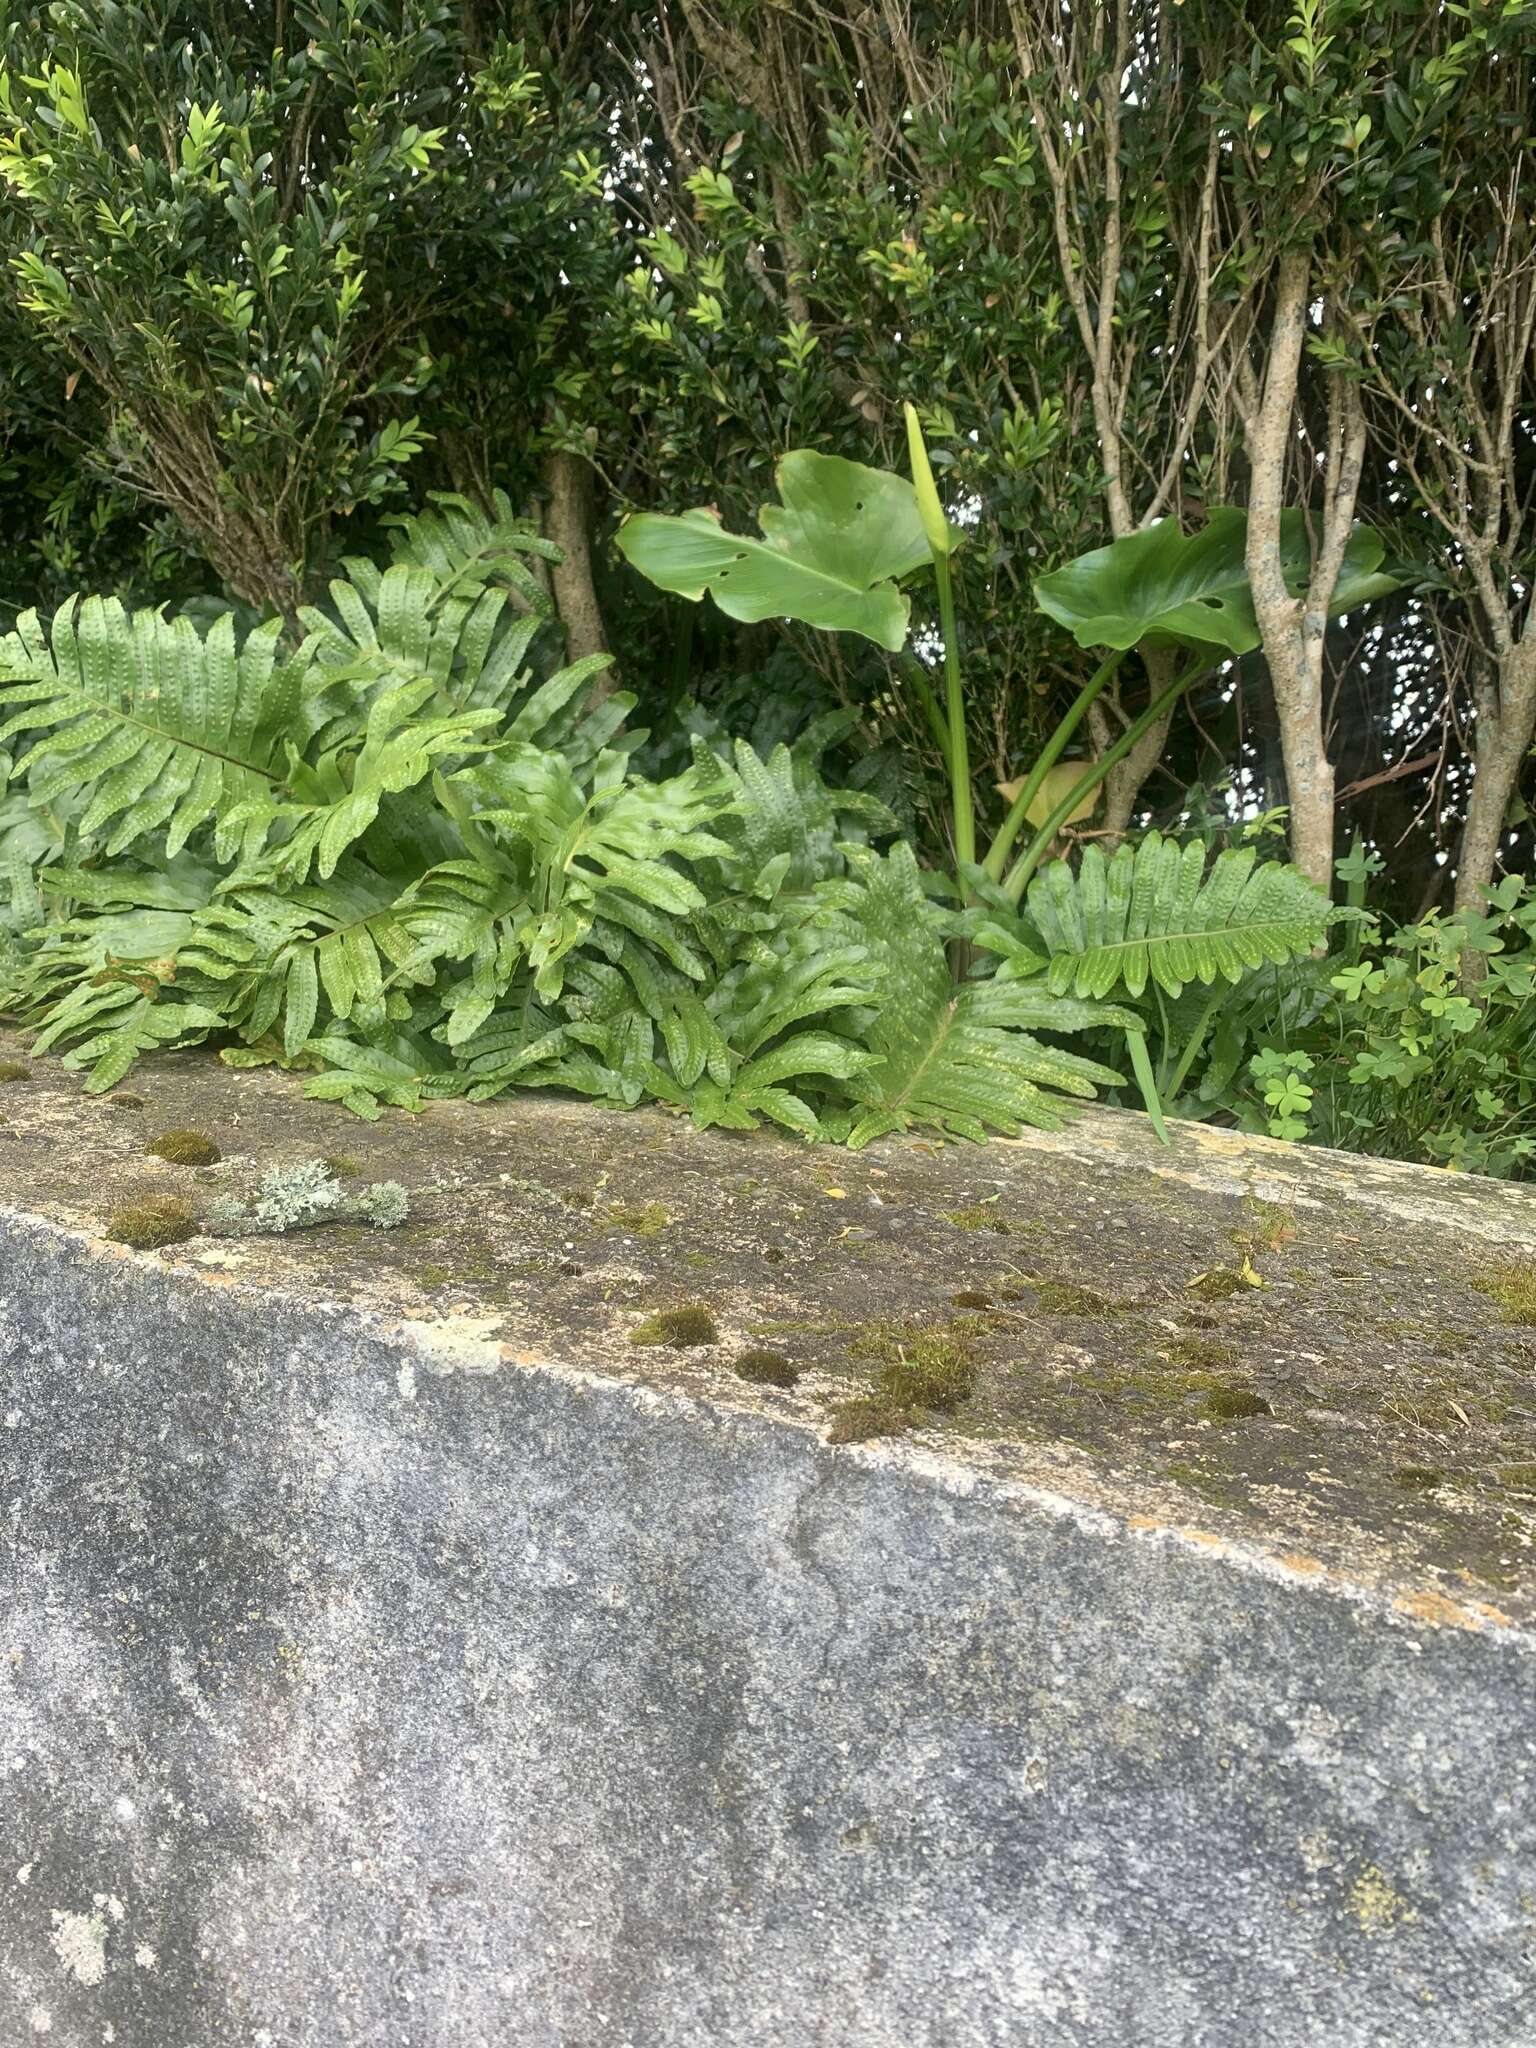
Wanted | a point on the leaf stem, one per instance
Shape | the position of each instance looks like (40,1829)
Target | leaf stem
(1040,845)
(959,747)
(1011,826)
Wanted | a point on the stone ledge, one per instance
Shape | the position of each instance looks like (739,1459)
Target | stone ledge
(399,1652)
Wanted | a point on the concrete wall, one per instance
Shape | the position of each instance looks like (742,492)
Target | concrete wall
(360,1688)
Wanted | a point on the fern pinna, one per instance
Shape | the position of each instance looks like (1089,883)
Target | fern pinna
(404,860)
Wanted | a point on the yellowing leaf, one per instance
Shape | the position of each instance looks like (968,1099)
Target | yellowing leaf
(1055,785)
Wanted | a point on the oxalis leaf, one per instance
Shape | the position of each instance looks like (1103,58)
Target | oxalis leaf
(1164,587)
(833,552)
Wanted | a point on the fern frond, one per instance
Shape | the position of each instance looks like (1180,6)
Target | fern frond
(1151,913)
(788,824)
(334,804)
(162,729)
(952,1059)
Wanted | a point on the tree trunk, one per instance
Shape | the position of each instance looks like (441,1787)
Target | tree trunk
(1124,782)
(568,523)
(1503,738)
(1294,629)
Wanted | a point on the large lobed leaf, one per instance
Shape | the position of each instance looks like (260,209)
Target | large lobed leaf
(832,554)
(1165,587)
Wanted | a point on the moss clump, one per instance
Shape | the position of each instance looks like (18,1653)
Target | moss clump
(921,1371)
(1232,1404)
(1273,1227)
(644,1219)
(855,1422)
(13,1070)
(341,1165)
(936,1373)
(968,1298)
(1418,1478)
(980,1216)
(681,1329)
(1513,1288)
(123,1099)
(1200,1354)
(1219,1285)
(185,1148)
(765,1369)
(152,1221)
(1065,1298)
(1522,1478)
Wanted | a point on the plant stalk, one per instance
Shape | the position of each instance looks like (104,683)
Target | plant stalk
(1040,845)
(1008,831)
(959,747)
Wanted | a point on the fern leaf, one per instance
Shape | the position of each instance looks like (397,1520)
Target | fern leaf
(1152,914)
(955,1060)
(159,728)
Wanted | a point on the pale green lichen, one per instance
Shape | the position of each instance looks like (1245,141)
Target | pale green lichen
(301,1197)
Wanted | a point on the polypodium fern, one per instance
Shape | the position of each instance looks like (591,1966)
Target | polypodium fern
(958,1059)
(1152,913)
(399,860)
(165,729)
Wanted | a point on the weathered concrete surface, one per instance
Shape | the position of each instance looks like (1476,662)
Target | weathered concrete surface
(397,1654)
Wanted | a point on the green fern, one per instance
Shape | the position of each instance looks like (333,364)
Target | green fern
(1152,914)
(166,730)
(408,861)
(958,1060)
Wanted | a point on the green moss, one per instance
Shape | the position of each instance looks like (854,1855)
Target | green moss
(1418,1478)
(152,1221)
(1432,1411)
(1513,1288)
(123,1098)
(185,1148)
(855,1422)
(1272,1227)
(13,1070)
(682,1329)
(1208,1486)
(1065,1298)
(1200,1354)
(765,1368)
(968,1298)
(1521,1478)
(1218,1285)
(341,1165)
(803,1326)
(921,1370)
(1232,1404)
(643,1219)
(986,1216)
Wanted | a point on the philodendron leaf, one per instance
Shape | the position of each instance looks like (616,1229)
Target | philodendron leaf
(833,551)
(1164,587)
